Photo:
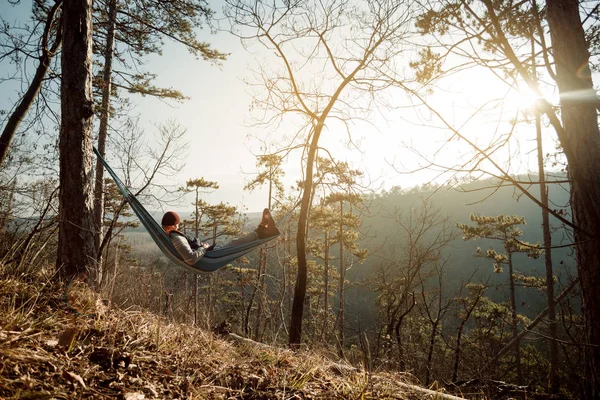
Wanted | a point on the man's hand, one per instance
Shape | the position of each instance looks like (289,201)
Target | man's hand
(207,246)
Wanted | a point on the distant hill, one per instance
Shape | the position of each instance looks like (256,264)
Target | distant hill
(157,215)
(458,205)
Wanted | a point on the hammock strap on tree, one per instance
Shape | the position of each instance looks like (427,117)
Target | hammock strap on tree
(212,260)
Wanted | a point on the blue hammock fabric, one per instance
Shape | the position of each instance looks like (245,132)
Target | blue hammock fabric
(212,260)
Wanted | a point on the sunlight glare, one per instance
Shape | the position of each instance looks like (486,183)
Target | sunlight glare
(524,99)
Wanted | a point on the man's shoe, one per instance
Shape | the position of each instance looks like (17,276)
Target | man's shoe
(267,227)
(266,232)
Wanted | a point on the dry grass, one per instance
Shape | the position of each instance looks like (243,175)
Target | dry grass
(56,349)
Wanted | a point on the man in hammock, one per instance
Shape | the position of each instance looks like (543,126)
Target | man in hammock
(191,250)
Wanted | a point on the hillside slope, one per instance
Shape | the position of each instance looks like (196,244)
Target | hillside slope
(60,342)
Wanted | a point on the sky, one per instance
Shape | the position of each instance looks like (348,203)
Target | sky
(222,146)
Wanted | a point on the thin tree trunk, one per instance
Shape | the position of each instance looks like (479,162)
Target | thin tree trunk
(250,304)
(397,332)
(341,285)
(459,337)
(528,328)
(15,119)
(76,249)
(260,291)
(263,259)
(325,285)
(103,135)
(196,277)
(430,351)
(283,296)
(554,383)
(457,352)
(514,319)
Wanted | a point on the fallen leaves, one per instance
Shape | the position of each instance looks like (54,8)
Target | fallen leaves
(115,356)
(74,378)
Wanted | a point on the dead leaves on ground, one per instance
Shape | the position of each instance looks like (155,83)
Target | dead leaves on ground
(54,353)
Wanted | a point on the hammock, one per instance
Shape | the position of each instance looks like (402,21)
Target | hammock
(212,260)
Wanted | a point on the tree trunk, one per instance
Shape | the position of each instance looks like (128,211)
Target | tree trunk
(10,129)
(76,249)
(457,352)
(430,350)
(102,136)
(341,286)
(302,275)
(580,140)
(398,336)
(514,319)
(195,297)
(325,286)
(262,261)
(553,380)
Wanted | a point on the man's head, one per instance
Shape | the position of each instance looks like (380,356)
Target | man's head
(170,221)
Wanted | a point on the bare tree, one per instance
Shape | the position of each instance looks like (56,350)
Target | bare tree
(468,304)
(340,41)
(51,40)
(423,233)
(142,168)
(434,305)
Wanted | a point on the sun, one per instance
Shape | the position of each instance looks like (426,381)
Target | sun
(523,99)
(527,99)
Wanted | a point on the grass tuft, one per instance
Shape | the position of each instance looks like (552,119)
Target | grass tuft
(63,342)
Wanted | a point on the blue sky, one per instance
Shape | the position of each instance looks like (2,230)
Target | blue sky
(221,143)
(213,116)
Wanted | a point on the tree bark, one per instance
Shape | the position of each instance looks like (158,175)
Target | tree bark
(103,135)
(302,275)
(580,140)
(76,249)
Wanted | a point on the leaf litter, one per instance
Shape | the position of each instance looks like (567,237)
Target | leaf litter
(48,351)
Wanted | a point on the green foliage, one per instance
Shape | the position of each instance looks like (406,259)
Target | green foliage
(197,186)
(428,66)
(200,185)
(140,29)
(330,173)
(270,171)
(221,220)
(503,228)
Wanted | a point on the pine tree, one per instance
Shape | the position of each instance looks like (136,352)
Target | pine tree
(505,229)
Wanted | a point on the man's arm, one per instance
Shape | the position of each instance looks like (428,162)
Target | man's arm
(185,251)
